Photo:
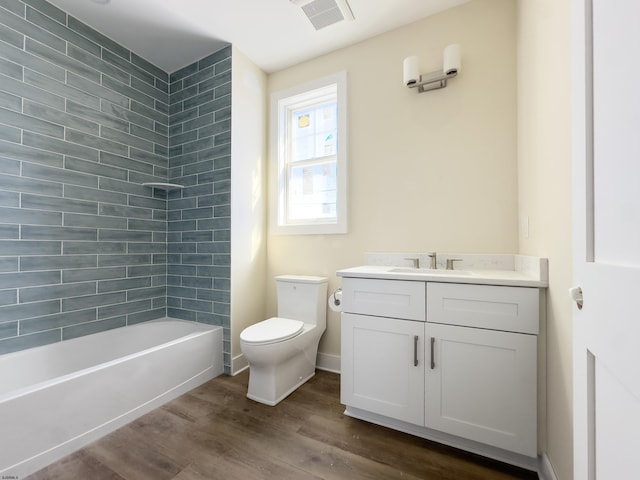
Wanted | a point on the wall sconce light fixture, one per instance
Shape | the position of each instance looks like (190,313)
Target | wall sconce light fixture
(433,80)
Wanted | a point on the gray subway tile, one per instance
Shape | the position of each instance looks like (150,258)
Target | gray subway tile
(30,232)
(118,260)
(60,89)
(59,146)
(124,236)
(58,320)
(92,141)
(18,247)
(95,62)
(59,117)
(149,112)
(35,32)
(10,134)
(125,163)
(26,153)
(147,315)
(29,217)
(83,193)
(29,310)
(183,72)
(123,284)
(93,35)
(57,204)
(8,264)
(218,56)
(61,60)
(29,279)
(95,168)
(124,116)
(8,329)
(18,88)
(150,90)
(89,328)
(124,140)
(21,184)
(48,9)
(22,342)
(11,37)
(93,88)
(85,274)
(51,262)
(96,248)
(88,301)
(127,66)
(125,211)
(58,175)
(124,308)
(128,91)
(149,67)
(10,232)
(13,102)
(62,31)
(96,117)
(94,221)
(50,292)
(141,293)
(15,6)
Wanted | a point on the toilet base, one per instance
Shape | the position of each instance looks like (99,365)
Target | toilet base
(270,384)
(272,403)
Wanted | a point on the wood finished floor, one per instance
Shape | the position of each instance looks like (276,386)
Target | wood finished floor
(215,432)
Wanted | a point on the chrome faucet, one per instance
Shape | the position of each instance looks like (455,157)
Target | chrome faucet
(415,262)
(433,260)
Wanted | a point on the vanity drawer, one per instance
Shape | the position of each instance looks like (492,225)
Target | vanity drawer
(384,298)
(511,309)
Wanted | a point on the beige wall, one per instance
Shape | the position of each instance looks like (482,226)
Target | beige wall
(248,197)
(544,186)
(432,171)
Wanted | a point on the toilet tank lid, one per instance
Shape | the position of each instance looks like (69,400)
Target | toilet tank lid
(301,279)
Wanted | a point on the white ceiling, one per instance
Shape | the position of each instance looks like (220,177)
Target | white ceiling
(274,34)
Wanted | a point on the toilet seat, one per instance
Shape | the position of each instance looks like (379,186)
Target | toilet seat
(273,330)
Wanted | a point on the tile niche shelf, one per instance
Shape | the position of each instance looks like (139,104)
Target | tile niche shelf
(163,186)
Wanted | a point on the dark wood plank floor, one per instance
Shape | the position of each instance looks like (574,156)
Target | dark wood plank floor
(215,432)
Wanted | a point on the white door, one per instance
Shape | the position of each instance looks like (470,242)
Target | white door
(382,366)
(481,385)
(606,149)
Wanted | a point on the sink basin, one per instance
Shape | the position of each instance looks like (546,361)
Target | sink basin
(428,271)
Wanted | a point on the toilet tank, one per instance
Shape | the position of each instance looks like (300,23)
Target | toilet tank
(302,298)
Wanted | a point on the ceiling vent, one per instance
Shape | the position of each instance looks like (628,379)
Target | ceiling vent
(322,13)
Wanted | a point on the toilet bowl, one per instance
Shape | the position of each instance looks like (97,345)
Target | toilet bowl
(282,350)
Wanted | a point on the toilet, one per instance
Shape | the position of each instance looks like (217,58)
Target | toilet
(282,350)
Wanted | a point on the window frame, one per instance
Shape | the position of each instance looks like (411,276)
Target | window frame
(280,103)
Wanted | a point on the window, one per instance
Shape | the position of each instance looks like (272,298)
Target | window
(309,158)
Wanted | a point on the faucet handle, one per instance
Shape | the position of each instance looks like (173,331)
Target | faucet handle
(415,261)
(434,260)
(450,262)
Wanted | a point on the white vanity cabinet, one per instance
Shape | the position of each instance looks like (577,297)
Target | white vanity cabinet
(383,347)
(458,359)
(481,372)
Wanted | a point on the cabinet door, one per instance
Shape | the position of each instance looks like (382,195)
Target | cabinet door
(382,366)
(482,386)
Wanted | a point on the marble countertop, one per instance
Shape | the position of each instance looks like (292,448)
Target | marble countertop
(508,270)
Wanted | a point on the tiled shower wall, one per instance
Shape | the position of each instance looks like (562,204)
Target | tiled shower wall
(83,123)
(199,245)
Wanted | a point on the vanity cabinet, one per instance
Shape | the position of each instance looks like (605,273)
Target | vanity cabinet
(454,358)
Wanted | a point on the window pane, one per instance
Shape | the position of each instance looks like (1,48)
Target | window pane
(312,192)
(315,132)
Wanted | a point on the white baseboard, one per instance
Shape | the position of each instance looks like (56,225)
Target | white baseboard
(329,363)
(545,469)
(238,364)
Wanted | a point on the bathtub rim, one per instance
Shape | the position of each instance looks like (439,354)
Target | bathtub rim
(202,329)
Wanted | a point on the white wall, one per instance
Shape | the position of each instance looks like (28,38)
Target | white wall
(248,198)
(544,186)
(432,171)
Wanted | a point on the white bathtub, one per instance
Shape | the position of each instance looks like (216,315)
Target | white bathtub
(57,398)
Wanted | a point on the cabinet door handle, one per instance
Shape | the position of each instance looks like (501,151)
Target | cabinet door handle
(433,353)
(415,350)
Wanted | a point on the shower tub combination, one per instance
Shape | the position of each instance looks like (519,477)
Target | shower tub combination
(57,398)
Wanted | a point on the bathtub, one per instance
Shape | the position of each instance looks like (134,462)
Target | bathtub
(57,398)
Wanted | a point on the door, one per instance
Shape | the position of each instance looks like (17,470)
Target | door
(382,366)
(481,385)
(606,149)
